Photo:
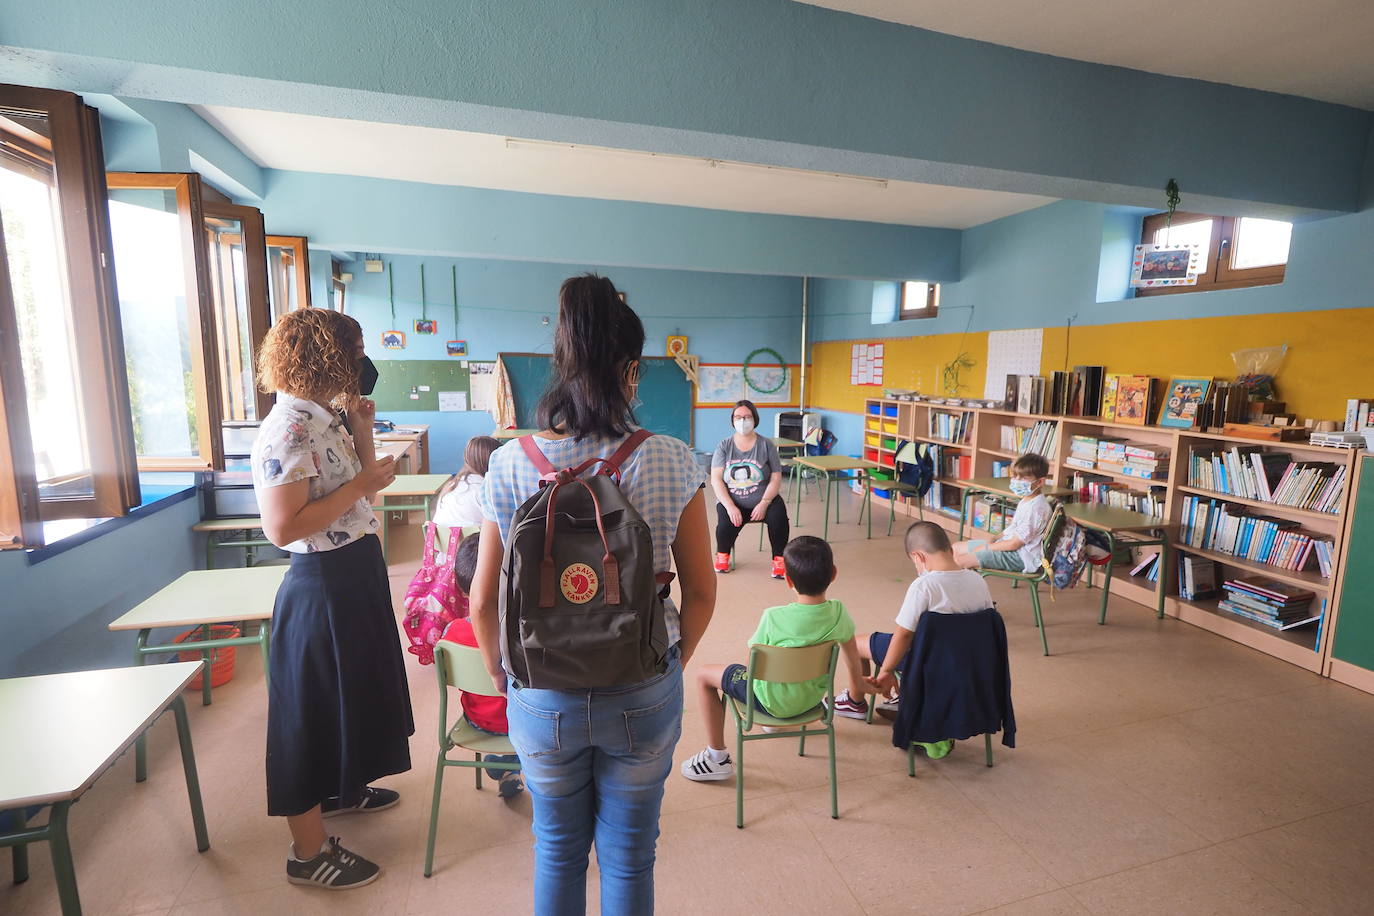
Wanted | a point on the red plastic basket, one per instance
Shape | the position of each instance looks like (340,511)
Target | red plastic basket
(221,657)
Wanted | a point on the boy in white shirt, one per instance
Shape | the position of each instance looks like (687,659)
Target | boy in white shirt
(1021,548)
(941,587)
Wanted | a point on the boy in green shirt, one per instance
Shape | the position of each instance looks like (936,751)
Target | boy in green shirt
(811,619)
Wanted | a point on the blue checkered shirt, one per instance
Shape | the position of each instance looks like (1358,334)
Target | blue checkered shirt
(660,478)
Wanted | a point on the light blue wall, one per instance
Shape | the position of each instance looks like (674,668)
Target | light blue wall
(502,304)
(371,214)
(56,611)
(767,81)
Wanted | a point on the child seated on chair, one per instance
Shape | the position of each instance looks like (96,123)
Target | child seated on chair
(809,565)
(486,714)
(1021,548)
(941,587)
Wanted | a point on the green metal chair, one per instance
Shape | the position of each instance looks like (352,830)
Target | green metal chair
(1034,579)
(461,667)
(786,666)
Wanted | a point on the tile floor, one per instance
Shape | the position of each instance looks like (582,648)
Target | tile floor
(1159,769)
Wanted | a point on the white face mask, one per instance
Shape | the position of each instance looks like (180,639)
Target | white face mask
(744,425)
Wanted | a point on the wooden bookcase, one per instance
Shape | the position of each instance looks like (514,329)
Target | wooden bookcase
(1307,647)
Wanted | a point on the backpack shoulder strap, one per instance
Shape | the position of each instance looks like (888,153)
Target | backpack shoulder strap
(541,464)
(618,457)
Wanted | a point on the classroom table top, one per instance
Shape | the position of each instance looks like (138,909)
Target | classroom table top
(248,523)
(398,434)
(504,434)
(63,730)
(395,447)
(1111,518)
(204,596)
(414,485)
(837,463)
(782,442)
(1001,486)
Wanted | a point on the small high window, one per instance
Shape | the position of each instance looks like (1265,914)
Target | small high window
(918,299)
(1237,251)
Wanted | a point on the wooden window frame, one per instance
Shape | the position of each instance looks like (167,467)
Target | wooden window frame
(255,283)
(300,250)
(200,318)
(929,309)
(77,166)
(1217,273)
(338,289)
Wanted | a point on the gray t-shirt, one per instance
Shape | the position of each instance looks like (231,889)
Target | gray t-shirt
(747,472)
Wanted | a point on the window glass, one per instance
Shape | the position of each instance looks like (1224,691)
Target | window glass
(224,238)
(1260,242)
(1198,232)
(915,294)
(146,232)
(30,213)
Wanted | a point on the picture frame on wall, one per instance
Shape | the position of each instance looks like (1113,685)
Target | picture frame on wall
(393,340)
(426,326)
(1155,266)
(1181,402)
(456,347)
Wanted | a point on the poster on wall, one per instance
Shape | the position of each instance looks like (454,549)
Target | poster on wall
(426,326)
(1165,265)
(393,340)
(1011,353)
(866,364)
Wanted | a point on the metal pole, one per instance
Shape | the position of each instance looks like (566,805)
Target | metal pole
(802,393)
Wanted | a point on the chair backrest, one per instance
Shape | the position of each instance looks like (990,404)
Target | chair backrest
(791,666)
(461,666)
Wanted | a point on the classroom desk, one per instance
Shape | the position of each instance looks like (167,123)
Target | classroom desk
(1000,488)
(791,445)
(200,598)
(62,732)
(399,450)
(215,528)
(409,493)
(506,434)
(828,466)
(1141,531)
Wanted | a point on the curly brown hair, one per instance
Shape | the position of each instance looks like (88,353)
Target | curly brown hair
(311,353)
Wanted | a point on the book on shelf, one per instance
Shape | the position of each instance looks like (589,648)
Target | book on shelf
(1359,414)
(1109,385)
(1011,400)
(1039,438)
(1001,467)
(986,518)
(1143,568)
(1107,492)
(1059,392)
(951,427)
(1274,604)
(1248,471)
(1216,525)
(1197,578)
(1023,394)
(1134,399)
(1086,391)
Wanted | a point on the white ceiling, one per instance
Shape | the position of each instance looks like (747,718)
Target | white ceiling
(309,143)
(1320,49)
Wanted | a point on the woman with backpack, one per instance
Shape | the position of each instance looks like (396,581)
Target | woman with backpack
(595,756)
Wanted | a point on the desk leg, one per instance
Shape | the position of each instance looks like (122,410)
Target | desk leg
(207,661)
(1106,579)
(63,869)
(20,853)
(868,503)
(141,744)
(1163,568)
(797,495)
(825,528)
(188,763)
(209,550)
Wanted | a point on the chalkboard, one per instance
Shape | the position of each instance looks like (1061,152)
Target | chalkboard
(1354,641)
(664,389)
(399,379)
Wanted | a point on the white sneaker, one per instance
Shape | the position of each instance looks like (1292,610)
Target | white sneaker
(702,768)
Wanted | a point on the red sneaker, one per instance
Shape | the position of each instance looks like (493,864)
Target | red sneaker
(779,569)
(722,563)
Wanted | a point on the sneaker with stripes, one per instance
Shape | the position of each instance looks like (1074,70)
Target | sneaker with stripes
(334,868)
(702,768)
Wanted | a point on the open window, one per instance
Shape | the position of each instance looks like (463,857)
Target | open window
(1237,251)
(288,273)
(169,326)
(918,299)
(236,246)
(66,443)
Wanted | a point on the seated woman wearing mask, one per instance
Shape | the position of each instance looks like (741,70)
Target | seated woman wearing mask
(746,474)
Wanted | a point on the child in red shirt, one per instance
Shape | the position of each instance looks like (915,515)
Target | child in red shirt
(486,714)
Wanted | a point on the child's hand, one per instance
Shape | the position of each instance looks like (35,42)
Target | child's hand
(885,684)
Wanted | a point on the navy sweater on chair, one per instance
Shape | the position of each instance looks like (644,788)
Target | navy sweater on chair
(956,682)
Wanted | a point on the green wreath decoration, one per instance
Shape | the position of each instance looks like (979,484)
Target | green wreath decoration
(769,351)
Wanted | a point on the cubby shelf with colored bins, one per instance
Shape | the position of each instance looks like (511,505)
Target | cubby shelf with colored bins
(1302,647)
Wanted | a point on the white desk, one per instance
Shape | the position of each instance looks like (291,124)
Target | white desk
(62,732)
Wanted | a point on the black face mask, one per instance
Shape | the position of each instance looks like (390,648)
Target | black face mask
(367,376)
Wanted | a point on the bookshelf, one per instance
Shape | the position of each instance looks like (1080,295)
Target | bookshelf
(1307,646)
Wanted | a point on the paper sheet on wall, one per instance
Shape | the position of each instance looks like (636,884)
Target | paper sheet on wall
(866,364)
(482,386)
(450,401)
(1011,353)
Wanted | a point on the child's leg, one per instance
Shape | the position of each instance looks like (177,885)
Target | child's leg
(712,704)
(865,653)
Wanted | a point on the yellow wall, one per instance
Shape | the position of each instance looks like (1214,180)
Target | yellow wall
(1329,356)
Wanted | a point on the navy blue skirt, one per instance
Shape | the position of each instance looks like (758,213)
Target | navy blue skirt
(338,709)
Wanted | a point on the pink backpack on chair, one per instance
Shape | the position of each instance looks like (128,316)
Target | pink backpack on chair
(433,599)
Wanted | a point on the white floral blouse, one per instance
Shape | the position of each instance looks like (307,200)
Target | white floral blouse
(301,440)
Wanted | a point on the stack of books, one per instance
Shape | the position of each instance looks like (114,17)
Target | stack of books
(950,427)
(1104,491)
(1252,473)
(985,518)
(1210,524)
(1148,567)
(1197,578)
(1038,439)
(1082,453)
(1273,604)
(1133,459)
(1001,468)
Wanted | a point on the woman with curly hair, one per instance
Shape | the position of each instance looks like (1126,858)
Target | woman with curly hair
(338,709)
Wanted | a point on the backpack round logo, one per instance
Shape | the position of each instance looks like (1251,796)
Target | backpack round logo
(579,583)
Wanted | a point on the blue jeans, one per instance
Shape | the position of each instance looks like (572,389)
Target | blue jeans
(594,763)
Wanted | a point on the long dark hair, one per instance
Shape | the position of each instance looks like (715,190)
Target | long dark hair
(476,460)
(598,337)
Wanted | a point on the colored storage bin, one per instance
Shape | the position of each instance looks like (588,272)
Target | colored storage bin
(871,454)
(875,409)
(890,411)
